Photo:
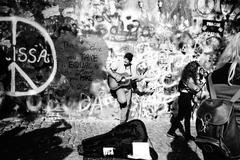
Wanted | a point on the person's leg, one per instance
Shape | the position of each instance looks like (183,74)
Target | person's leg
(124,114)
(187,119)
(178,125)
(187,123)
(122,100)
(181,128)
(185,112)
(129,102)
(174,125)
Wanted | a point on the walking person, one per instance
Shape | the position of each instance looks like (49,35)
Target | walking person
(188,87)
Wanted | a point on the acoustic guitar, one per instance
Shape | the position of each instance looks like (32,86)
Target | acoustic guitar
(126,81)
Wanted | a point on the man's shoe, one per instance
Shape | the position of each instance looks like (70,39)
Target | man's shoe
(171,135)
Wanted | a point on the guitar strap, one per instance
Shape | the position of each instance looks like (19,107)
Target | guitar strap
(133,83)
(131,70)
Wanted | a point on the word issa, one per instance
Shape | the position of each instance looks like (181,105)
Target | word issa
(31,55)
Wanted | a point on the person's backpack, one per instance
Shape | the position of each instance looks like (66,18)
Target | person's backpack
(217,130)
(120,139)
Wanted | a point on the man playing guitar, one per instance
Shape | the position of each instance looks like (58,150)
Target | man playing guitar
(122,80)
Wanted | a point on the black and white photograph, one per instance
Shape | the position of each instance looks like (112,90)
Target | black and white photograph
(120,79)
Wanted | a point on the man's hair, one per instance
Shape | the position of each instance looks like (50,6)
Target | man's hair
(129,56)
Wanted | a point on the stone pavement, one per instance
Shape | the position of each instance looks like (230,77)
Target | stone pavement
(49,138)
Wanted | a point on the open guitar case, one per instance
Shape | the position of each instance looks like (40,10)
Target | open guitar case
(120,138)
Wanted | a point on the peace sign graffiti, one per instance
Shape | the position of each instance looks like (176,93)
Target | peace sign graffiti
(31,58)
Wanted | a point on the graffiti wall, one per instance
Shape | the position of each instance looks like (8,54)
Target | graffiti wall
(90,35)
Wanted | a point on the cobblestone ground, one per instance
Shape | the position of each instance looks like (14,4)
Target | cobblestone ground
(57,139)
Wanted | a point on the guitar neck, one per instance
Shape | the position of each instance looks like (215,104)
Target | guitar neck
(130,78)
(133,77)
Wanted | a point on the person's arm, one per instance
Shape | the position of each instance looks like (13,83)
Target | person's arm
(111,71)
(114,75)
(192,86)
